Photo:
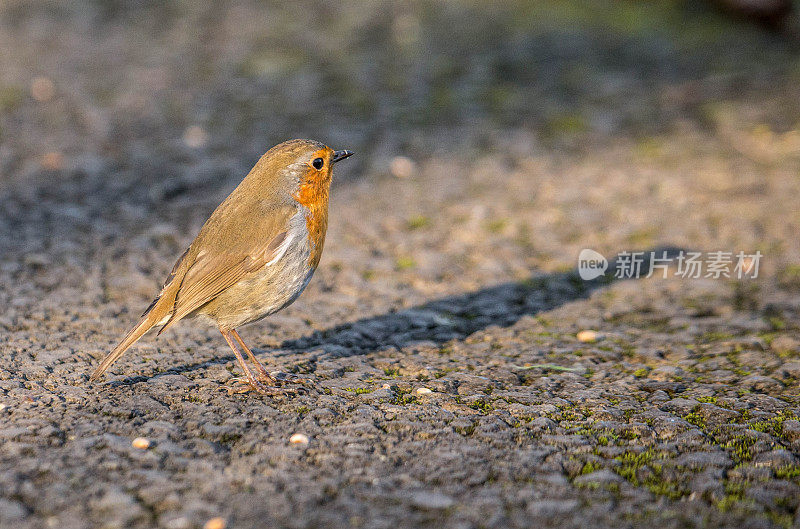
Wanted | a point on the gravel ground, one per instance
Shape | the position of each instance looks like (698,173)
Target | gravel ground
(451,388)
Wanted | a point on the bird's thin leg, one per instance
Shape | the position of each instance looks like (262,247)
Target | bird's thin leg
(251,379)
(263,375)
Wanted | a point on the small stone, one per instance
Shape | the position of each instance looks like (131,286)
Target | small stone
(53,161)
(587,336)
(42,89)
(195,137)
(142,443)
(402,167)
(424,391)
(215,523)
(299,439)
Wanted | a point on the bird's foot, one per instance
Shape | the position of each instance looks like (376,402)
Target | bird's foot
(245,385)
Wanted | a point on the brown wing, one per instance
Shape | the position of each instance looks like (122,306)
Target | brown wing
(223,258)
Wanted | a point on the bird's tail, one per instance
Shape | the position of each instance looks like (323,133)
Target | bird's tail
(149,320)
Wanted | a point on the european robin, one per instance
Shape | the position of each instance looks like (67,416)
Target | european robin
(253,256)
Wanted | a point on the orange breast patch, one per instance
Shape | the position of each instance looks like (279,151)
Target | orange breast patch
(313,195)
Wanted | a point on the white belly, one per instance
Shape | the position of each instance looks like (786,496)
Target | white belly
(271,288)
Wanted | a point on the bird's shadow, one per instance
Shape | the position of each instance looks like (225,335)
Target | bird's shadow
(445,319)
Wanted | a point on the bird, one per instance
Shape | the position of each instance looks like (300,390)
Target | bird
(254,255)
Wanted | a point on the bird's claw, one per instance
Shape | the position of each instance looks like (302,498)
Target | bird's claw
(244,385)
(275,384)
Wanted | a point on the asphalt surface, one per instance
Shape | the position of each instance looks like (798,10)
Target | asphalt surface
(454,384)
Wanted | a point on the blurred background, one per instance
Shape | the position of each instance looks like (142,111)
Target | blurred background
(132,86)
(531,129)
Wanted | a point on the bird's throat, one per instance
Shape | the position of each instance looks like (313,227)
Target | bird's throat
(313,196)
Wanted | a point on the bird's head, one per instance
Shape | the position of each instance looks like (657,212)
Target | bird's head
(306,166)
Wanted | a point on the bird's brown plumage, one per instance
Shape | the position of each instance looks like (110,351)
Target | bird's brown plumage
(243,236)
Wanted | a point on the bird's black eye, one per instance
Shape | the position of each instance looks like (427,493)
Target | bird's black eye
(318,163)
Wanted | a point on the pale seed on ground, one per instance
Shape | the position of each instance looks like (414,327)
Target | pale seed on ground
(299,439)
(423,391)
(215,523)
(195,137)
(141,443)
(42,89)
(587,336)
(401,167)
(53,161)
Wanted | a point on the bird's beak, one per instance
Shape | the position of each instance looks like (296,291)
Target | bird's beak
(341,155)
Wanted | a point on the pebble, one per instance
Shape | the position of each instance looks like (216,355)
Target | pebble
(142,443)
(53,161)
(587,336)
(42,89)
(299,439)
(424,391)
(215,523)
(195,137)
(402,167)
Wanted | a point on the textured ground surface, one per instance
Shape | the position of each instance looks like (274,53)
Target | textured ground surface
(530,134)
